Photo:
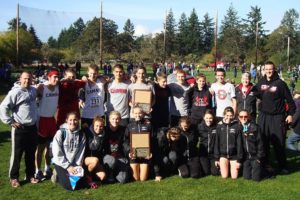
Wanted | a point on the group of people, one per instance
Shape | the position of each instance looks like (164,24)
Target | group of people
(194,129)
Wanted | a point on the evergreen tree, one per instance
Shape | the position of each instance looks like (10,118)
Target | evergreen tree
(37,41)
(207,32)
(129,28)
(194,33)
(12,25)
(231,40)
(52,42)
(170,33)
(182,35)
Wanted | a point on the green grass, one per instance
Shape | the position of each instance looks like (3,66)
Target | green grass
(282,187)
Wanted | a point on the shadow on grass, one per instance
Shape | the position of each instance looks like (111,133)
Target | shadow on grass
(4,137)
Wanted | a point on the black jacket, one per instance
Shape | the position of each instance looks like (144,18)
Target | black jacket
(95,145)
(207,139)
(229,141)
(137,127)
(199,102)
(246,101)
(115,142)
(274,94)
(190,141)
(253,142)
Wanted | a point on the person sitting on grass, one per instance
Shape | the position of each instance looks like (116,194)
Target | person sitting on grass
(94,152)
(139,166)
(68,152)
(228,149)
(253,147)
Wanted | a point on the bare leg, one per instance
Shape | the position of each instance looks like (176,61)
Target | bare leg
(38,155)
(234,169)
(224,167)
(136,171)
(144,170)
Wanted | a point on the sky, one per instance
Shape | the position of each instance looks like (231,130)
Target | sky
(48,17)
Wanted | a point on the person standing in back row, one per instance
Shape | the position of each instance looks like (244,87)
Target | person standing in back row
(273,116)
(20,101)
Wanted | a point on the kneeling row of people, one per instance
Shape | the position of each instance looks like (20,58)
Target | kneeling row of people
(105,153)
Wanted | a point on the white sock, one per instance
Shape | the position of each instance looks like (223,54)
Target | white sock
(37,170)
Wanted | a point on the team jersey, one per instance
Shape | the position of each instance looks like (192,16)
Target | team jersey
(179,99)
(94,99)
(48,102)
(117,98)
(223,96)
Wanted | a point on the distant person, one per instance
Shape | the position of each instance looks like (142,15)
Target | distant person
(293,142)
(78,68)
(21,102)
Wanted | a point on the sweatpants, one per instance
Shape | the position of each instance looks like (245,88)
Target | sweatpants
(208,166)
(119,167)
(274,132)
(23,140)
(190,169)
(63,179)
(252,169)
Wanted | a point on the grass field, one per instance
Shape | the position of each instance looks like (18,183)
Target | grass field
(282,187)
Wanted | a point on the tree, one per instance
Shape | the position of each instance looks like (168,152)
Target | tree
(52,42)
(37,41)
(79,27)
(12,25)
(182,35)
(207,32)
(170,33)
(129,28)
(194,33)
(231,40)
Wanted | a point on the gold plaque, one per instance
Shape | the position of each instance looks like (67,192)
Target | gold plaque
(143,98)
(140,144)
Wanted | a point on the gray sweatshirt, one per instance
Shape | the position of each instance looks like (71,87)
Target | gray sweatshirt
(68,149)
(19,106)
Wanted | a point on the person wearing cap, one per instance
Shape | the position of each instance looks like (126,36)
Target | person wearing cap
(47,94)
(18,109)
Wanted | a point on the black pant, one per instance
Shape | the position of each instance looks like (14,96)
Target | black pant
(23,140)
(64,181)
(208,166)
(252,169)
(274,132)
(191,168)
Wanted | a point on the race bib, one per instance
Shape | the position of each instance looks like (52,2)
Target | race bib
(95,101)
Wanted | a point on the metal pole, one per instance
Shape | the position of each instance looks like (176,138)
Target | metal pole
(256,43)
(216,40)
(17,33)
(165,35)
(288,52)
(101,42)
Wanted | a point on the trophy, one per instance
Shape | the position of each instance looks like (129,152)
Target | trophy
(140,144)
(142,99)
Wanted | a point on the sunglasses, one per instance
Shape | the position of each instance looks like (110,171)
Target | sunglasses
(243,116)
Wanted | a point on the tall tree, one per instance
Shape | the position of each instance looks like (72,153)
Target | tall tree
(170,34)
(129,28)
(37,41)
(182,35)
(194,33)
(79,27)
(12,24)
(52,42)
(207,32)
(231,40)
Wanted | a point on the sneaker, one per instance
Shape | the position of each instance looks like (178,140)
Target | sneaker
(39,175)
(48,173)
(54,176)
(14,183)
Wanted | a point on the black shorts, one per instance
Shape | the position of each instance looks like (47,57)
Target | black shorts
(139,161)
(44,140)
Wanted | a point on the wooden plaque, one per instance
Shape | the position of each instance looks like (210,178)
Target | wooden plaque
(143,98)
(140,144)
